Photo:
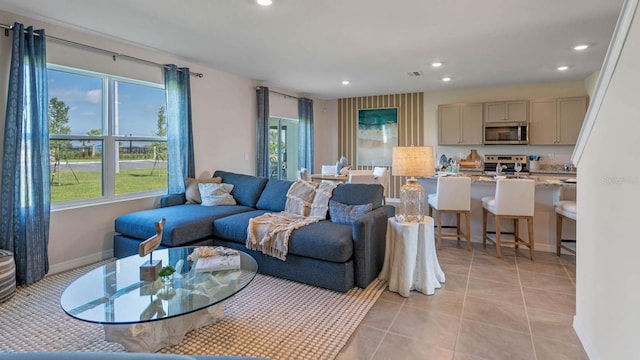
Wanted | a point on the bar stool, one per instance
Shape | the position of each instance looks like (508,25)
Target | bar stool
(453,195)
(514,199)
(564,209)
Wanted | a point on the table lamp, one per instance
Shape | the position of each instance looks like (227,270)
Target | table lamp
(412,161)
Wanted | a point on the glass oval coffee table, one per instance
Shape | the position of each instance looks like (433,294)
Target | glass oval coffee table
(149,315)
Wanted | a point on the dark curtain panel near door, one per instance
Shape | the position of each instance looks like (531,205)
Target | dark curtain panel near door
(25,206)
(262,166)
(305,129)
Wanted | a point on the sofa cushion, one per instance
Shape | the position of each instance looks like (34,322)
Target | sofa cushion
(273,197)
(359,194)
(234,227)
(323,240)
(185,223)
(247,189)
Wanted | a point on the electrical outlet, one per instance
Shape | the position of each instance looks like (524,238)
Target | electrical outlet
(246,156)
(551,156)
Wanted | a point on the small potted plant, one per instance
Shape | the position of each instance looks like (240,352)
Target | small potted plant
(166,274)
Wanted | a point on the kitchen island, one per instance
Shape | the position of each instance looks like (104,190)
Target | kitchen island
(549,189)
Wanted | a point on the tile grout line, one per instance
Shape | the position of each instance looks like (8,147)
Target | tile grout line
(569,275)
(526,311)
(464,300)
(386,332)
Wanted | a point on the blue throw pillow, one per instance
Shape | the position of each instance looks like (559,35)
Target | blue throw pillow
(347,214)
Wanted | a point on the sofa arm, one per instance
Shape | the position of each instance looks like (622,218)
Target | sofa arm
(369,241)
(172,199)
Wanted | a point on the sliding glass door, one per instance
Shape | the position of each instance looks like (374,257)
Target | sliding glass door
(283,148)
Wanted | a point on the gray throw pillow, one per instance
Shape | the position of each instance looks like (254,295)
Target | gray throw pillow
(347,214)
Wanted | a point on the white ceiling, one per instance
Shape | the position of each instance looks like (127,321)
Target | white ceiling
(310,46)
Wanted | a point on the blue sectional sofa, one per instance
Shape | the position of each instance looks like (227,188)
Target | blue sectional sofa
(325,254)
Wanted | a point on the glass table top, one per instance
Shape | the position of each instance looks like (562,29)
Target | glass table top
(114,293)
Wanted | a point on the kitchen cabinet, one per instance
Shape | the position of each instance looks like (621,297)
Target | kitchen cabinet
(556,121)
(460,124)
(506,111)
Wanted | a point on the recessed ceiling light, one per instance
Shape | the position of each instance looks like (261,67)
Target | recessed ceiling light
(346,82)
(264,2)
(436,64)
(445,79)
(580,47)
(562,68)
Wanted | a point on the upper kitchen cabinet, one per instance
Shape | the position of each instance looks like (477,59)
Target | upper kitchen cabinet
(556,121)
(571,112)
(460,124)
(506,111)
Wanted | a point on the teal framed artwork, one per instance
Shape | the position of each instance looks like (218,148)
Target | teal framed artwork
(377,135)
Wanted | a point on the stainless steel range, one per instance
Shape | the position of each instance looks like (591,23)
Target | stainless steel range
(507,161)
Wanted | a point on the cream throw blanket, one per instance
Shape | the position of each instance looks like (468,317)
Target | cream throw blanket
(307,203)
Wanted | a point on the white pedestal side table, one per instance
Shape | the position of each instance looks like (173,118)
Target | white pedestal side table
(410,260)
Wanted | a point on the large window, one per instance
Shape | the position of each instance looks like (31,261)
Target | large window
(107,136)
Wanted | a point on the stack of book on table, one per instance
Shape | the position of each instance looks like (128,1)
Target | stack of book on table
(228,261)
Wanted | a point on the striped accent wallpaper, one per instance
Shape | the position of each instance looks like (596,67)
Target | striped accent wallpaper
(410,126)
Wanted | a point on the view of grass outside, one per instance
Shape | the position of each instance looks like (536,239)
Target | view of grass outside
(77,168)
(79,185)
(80,142)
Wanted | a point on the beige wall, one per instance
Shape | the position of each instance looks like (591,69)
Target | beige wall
(325,133)
(283,106)
(607,287)
(590,83)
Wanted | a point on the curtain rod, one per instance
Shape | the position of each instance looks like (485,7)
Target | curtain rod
(279,93)
(114,55)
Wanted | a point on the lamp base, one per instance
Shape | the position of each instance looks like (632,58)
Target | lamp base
(412,202)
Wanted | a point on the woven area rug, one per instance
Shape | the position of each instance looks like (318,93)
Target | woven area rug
(272,317)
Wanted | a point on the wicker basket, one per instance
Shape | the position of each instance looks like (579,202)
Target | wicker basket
(7,275)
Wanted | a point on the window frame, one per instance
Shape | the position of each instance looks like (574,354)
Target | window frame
(109,140)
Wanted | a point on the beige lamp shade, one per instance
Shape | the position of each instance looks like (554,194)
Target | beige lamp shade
(413,161)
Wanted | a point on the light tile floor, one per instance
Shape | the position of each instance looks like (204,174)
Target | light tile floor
(488,308)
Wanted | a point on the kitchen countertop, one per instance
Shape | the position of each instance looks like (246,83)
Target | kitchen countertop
(554,172)
(542,179)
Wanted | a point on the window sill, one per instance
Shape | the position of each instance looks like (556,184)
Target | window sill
(70,205)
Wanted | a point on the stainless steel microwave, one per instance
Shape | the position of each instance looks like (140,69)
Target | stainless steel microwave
(495,133)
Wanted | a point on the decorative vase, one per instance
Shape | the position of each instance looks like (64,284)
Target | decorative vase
(412,202)
(342,164)
(474,155)
(167,280)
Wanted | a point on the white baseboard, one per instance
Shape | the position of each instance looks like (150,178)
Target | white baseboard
(76,263)
(584,339)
